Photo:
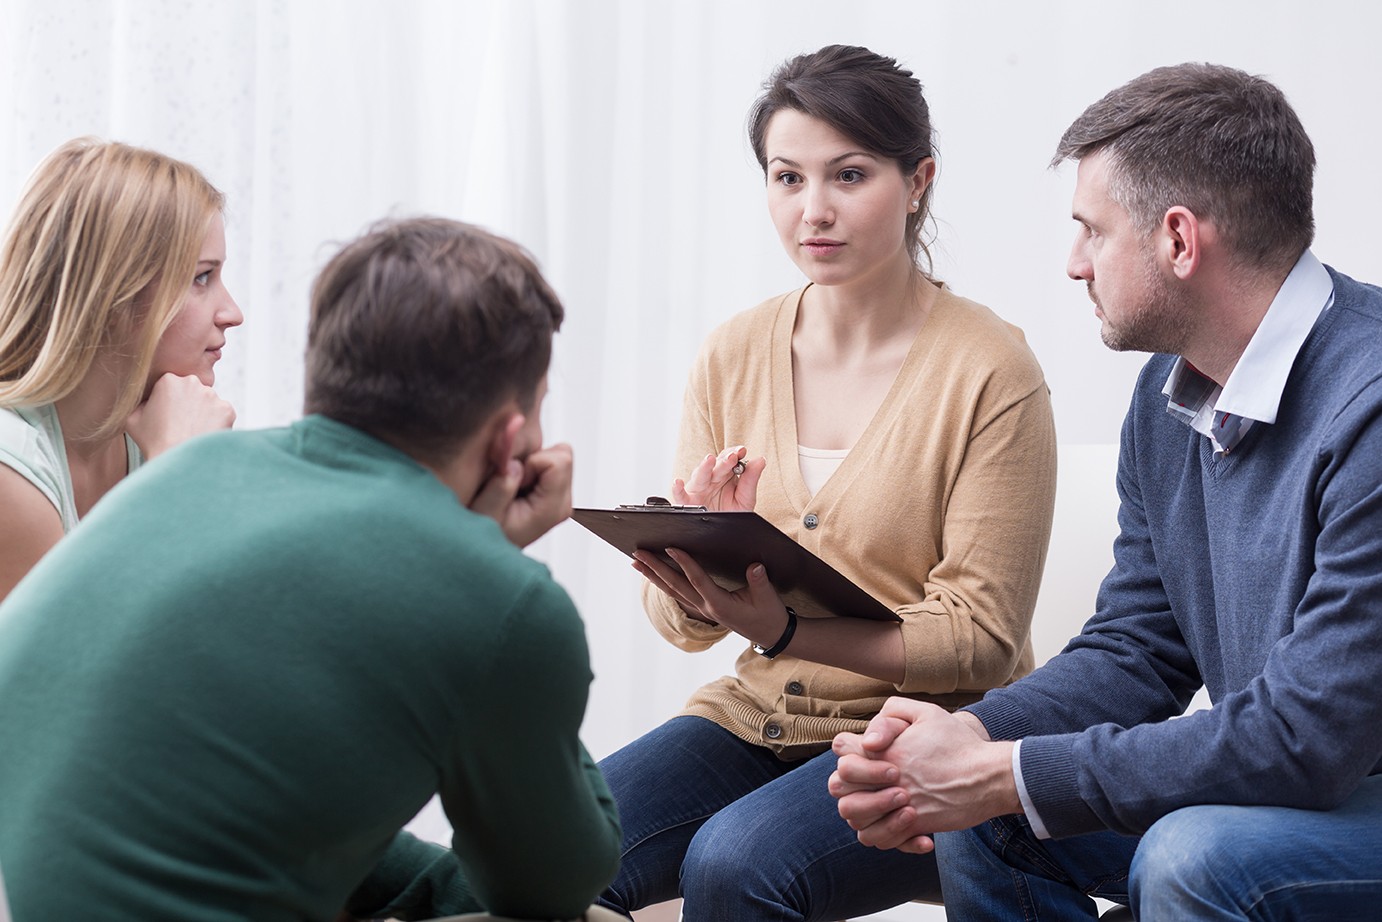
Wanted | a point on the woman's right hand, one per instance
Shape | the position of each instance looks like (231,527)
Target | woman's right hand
(179,407)
(715,485)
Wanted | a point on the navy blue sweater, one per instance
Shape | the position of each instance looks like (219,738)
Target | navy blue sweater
(1257,574)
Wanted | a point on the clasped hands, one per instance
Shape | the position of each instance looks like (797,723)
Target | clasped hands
(918,769)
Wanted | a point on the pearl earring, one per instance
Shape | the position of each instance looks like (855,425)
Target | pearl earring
(916,204)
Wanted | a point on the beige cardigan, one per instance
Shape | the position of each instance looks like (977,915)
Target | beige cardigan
(942,511)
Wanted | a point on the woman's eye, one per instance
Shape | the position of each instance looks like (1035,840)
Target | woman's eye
(203,278)
(851,175)
(788,179)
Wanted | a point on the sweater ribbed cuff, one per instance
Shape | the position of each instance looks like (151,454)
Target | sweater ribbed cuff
(1001,718)
(1048,772)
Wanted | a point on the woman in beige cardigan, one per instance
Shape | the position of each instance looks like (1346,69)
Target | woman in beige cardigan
(897,430)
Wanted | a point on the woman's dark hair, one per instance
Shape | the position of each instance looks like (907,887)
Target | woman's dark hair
(864,96)
(422,327)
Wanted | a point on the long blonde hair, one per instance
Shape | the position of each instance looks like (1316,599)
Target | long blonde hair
(100,252)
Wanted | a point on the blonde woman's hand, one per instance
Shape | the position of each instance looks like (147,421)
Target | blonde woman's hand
(179,407)
(715,485)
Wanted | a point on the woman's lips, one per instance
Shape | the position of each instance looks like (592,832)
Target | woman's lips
(821,246)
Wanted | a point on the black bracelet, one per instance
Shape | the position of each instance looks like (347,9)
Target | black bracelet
(782,641)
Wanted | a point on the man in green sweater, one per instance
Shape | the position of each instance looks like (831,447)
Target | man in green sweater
(223,696)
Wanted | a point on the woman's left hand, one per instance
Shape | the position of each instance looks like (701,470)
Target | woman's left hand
(755,612)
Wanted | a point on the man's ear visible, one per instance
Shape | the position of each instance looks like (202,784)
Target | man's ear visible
(503,429)
(1182,241)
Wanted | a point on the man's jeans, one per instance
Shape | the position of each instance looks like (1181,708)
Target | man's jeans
(1209,862)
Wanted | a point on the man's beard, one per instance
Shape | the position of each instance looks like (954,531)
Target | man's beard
(1159,320)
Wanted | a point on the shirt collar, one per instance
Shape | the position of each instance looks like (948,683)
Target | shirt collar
(1253,391)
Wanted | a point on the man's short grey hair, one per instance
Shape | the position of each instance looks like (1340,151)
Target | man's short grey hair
(1220,142)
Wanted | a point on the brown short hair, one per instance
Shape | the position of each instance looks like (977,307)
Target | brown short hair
(1223,143)
(422,327)
(864,96)
(99,255)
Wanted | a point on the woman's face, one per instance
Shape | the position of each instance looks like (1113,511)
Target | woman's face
(840,211)
(192,343)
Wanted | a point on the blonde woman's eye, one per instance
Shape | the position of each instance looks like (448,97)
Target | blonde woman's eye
(203,278)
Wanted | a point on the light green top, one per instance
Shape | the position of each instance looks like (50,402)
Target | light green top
(31,443)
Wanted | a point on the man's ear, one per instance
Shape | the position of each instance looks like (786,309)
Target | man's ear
(503,431)
(1182,241)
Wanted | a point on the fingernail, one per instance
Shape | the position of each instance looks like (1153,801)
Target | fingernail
(758,571)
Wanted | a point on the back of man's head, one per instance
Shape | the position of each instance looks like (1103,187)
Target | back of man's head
(1223,143)
(423,327)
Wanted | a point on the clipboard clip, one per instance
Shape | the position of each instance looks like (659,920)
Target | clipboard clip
(659,503)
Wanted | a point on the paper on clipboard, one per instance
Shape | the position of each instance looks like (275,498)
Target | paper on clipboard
(725,544)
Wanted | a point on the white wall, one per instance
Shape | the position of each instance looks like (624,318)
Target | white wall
(608,137)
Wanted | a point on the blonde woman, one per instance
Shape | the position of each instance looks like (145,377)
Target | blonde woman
(112,319)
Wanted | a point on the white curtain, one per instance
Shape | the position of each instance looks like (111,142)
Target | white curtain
(607,136)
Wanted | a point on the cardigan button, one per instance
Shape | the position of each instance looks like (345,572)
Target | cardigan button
(772,731)
(794,688)
(811,521)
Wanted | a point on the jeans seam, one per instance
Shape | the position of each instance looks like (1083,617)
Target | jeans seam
(666,828)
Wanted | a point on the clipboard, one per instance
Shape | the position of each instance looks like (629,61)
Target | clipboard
(726,544)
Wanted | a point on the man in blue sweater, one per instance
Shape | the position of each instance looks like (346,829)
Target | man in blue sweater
(1249,561)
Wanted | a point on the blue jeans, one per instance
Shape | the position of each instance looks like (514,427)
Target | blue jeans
(741,835)
(1198,863)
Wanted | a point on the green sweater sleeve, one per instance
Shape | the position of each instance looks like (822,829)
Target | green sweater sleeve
(536,833)
(412,875)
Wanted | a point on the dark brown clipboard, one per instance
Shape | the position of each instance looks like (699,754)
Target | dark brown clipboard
(726,544)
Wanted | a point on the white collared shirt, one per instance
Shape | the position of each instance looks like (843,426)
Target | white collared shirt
(1253,391)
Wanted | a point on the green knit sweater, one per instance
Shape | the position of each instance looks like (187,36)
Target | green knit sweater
(223,695)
